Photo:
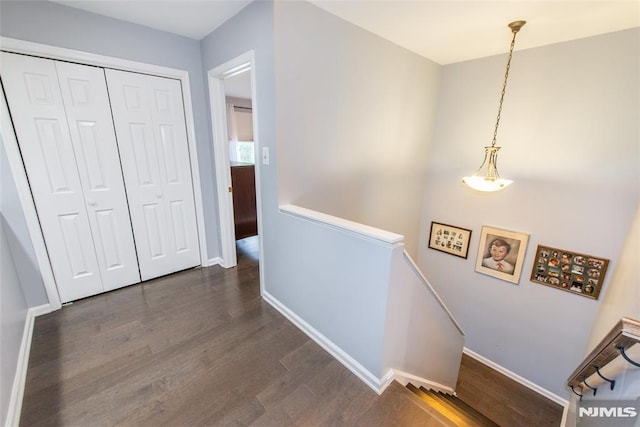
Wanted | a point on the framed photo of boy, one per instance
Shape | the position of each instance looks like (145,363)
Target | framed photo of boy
(501,253)
(450,239)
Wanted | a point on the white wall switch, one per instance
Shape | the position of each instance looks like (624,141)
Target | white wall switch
(265,155)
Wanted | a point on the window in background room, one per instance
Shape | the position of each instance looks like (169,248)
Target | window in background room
(244,123)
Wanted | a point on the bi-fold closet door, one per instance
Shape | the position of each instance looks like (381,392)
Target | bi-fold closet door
(149,120)
(89,211)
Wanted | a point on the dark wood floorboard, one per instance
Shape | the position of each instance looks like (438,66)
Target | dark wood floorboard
(503,400)
(196,348)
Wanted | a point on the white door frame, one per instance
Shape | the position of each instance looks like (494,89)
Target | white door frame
(216,78)
(13,153)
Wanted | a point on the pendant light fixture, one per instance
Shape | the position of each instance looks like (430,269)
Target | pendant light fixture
(486,178)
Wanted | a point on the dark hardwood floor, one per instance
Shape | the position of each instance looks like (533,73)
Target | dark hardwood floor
(201,348)
(503,400)
(197,348)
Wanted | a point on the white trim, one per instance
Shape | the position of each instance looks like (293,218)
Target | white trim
(387,379)
(349,362)
(565,415)
(343,224)
(195,167)
(217,103)
(525,382)
(405,378)
(14,158)
(214,261)
(54,52)
(257,146)
(221,159)
(17,390)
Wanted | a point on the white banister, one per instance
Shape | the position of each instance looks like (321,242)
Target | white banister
(344,224)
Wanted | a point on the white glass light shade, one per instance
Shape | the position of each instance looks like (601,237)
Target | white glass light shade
(486,177)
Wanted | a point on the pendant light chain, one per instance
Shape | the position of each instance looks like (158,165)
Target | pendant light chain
(487,178)
(504,86)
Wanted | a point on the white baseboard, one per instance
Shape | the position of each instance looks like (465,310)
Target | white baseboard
(405,378)
(17,391)
(375,383)
(213,261)
(525,382)
(386,380)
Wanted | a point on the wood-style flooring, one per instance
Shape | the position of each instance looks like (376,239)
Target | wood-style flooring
(503,400)
(197,348)
(201,348)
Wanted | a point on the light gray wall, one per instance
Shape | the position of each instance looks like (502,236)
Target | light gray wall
(420,337)
(355,115)
(252,29)
(308,279)
(53,24)
(13,302)
(13,313)
(338,285)
(17,235)
(623,297)
(622,300)
(569,133)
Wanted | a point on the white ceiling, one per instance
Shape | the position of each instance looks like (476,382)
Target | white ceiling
(444,31)
(190,18)
(238,86)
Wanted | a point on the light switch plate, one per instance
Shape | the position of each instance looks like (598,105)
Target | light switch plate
(265,155)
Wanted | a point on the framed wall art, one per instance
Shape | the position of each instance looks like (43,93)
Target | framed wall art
(501,253)
(450,239)
(570,271)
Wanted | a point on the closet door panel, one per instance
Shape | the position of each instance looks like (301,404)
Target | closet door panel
(37,110)
(84,93)
(149,120)
(141,167)
(170,130)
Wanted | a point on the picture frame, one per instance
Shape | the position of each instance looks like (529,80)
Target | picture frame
(569,271)
(449,239)
(506,261)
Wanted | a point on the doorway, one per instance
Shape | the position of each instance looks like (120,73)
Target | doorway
(236,146)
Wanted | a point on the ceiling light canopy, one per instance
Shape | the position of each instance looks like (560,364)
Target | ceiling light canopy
(487,178)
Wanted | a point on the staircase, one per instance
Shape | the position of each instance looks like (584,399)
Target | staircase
(454,409)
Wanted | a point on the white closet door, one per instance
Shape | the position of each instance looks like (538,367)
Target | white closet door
(84,93)
(33,94)
(150,126)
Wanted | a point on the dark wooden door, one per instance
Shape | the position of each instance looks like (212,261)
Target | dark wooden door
(243,181)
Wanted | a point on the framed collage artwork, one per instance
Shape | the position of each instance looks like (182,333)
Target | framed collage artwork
(569,271)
